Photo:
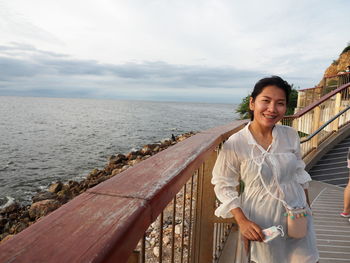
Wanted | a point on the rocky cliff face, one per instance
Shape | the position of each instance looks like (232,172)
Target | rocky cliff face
(338,65)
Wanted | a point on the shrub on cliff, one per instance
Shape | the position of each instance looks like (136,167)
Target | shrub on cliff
(346,49)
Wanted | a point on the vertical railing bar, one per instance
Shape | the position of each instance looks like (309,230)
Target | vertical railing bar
(216,240)
(173,231)
(143,249)
(190,226)
(161,237)
(221,235)
(197,226)
(183,223)
(218,248)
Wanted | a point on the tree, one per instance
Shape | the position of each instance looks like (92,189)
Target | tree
(243,107)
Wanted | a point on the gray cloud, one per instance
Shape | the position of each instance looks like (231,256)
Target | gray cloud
(26,70)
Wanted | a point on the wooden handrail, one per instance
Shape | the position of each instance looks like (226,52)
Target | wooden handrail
(337,75)
(105,223)
(327,77)
(316,103)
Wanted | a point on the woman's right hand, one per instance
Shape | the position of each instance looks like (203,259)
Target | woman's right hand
(249,229)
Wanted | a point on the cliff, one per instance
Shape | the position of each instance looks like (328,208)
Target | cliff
(340,64)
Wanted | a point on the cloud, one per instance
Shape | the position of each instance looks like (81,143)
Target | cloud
(154,47)
(27,70)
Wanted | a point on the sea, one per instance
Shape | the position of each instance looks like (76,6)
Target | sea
(44,140)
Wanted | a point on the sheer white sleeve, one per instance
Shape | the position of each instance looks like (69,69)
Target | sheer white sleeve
(303,177)
(225,180)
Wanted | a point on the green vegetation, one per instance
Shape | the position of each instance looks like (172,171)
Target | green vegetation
(346,49)
(243,107)
(332,82)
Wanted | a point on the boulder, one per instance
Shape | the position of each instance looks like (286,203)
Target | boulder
(43,196)
(166,143)
(125,167)
(18,227)
(146,150)
(42,208)
(7,237)
(55,187)
(10,209)
(156,251)
(94,173)
(133,155)
(116,171)
(115,159)
(136,161)
(64,195)
(3,221)
(93,183)
(73,184)
(156,149)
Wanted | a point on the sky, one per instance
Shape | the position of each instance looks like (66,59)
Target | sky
(162,50)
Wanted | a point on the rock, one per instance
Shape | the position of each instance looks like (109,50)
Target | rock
(136,161)
(166,143)
(11,208)
(73,184)
(156,251)
(116,159)
(116,171)
(146,156)
(64,195)
(24,214)
(146,150)
(7,237)
(180,139)
(3,221)
(132,155)
(166,240)
(125,167)
(55,187)
(18,227)
(42,208)
(93,183)
(43,196)
(93,174)
(178,229)
(75,191)
(156,149)
(13,216)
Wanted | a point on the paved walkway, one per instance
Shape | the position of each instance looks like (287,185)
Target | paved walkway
(332,231)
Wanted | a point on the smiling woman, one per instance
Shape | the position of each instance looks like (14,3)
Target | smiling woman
(266,157)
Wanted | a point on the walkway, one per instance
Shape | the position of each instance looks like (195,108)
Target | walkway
(332,231)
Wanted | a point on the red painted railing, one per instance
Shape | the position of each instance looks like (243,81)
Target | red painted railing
(105,223)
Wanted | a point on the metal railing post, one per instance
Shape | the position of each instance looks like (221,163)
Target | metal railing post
(204,229)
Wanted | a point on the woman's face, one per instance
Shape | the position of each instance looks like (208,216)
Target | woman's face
(269,106)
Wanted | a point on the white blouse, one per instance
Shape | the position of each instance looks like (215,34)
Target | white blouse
(273,178)
(241,157)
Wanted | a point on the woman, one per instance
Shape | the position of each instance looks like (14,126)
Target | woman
(346,210)
(266,157)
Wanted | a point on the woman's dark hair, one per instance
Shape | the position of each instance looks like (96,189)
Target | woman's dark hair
(271,81)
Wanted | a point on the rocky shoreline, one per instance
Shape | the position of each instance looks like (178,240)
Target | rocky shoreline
(16,217)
